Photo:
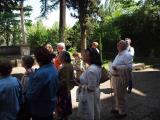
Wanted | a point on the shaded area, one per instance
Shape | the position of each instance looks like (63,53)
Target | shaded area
(143,103)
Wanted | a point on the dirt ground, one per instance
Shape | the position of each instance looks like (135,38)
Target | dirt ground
(143,103)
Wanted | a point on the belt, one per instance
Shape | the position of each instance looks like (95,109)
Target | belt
(115,75)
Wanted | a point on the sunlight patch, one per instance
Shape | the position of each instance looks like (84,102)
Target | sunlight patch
(138,92)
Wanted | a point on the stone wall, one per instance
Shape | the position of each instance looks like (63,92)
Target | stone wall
(10,50)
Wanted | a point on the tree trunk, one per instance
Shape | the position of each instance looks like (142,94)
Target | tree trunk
(83,26)
(83,38)
(22,23)
(62,23)
(100,46)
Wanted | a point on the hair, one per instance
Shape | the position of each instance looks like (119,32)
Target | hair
(28,61)
(94,56)
(62,45)
(46,44)
(5,67)
(76,54)
(128,40)
(95,43)
(43,56)
(124,44)
(65,56)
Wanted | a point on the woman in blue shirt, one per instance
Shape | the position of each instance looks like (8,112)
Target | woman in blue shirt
(42,88)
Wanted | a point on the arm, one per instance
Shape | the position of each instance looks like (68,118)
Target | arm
(132,51)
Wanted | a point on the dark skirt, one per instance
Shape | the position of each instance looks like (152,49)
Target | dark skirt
(64,104)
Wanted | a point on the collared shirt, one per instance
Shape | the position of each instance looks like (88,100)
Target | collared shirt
(9,98)
(42,91)
(123,59)
(91,77)
(130,49)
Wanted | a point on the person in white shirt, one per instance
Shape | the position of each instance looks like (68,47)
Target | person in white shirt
(131,51)
(89,106)
(120,75)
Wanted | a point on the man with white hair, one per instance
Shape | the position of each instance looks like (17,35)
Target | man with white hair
(60,47)
(120,75)
(130,49)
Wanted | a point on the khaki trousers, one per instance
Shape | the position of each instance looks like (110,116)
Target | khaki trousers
(119,87)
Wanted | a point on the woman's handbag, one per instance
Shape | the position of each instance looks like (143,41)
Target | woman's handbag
(104,75)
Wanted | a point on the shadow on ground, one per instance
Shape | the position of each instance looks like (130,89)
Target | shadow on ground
(143,102)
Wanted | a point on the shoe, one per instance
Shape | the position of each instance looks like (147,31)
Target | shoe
(120,116)
(129,91)
(114,111)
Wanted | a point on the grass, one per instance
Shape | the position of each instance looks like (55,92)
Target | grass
(106,64)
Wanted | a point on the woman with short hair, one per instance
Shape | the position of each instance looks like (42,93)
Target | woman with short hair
(43,86)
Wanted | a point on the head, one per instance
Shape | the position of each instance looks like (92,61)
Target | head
(128,40)
(5,67)
(49,47)
(60,47)
(42,56)
(121,45)
(27,62)
(76,55)
(95,45)
(64,57)
(91,56)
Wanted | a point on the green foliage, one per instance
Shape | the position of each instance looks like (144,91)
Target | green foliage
(38,34)
(48,6)
(72,50)
(10,22)
(72,36)
(8,5)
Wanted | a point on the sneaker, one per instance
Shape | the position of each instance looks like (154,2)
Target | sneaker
(114,111)
(129,91)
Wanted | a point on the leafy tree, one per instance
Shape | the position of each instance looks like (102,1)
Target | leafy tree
(73,36)
(49,5)
(38,34)
(9,18)
(8,5)
(86,10)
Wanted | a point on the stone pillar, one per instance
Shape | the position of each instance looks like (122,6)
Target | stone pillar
(25,50)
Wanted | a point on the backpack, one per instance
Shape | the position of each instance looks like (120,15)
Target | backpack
(104,75)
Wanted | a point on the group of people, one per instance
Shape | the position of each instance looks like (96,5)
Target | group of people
(45,93)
